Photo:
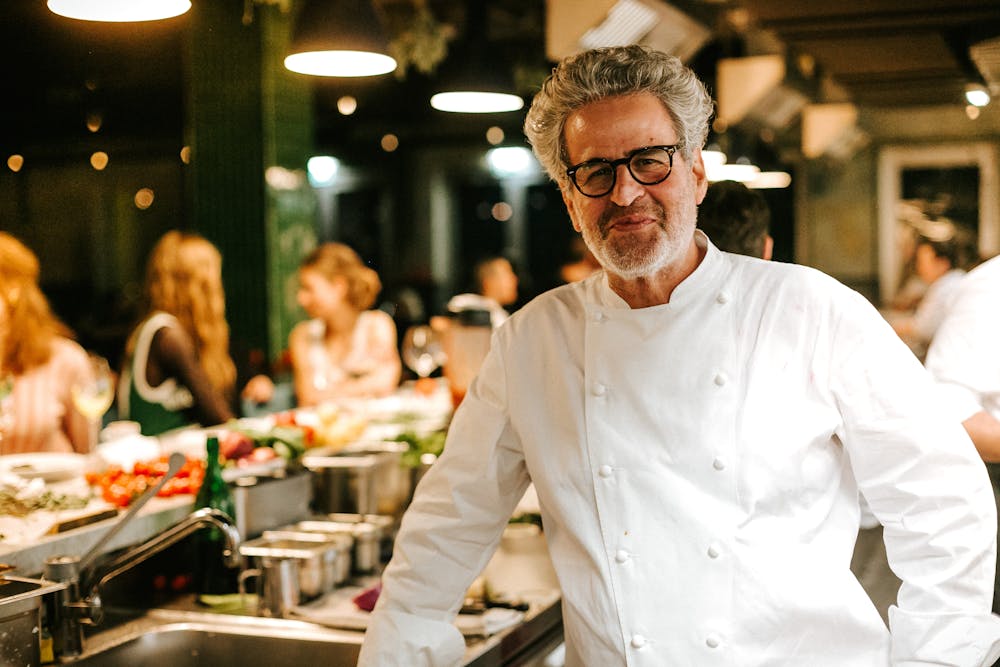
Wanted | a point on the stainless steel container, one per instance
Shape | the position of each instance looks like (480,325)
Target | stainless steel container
(365,478)
(263,502)
(316,558)
(367,537)
(338,556)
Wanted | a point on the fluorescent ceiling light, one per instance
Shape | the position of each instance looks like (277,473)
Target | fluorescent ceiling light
(770,179)
(340,63)
(476,102)
(119,10)
(627,23)
(733,172)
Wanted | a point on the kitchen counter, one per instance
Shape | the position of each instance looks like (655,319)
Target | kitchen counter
(158,514)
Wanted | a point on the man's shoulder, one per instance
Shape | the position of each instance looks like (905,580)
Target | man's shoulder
(758,273)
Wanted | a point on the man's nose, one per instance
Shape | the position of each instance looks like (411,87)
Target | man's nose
(626,189)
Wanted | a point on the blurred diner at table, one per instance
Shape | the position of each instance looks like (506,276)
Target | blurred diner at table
(39,363)
(345,350)
(177,368)
(938,263)
(495,290)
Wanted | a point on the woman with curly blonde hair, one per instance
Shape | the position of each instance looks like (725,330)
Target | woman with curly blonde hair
(38,355)
(177,366)
(345,350)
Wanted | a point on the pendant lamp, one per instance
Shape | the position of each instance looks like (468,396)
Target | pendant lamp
(119,10)
(471,82)
(338,38)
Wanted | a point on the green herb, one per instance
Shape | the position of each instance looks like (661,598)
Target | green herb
(287,441)
(11,505)
(418,445)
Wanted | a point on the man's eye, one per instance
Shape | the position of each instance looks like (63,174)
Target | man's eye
(592,171)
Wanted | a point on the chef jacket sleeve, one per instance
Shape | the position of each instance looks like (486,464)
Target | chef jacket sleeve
(449,531)
(928,487)
(964,356)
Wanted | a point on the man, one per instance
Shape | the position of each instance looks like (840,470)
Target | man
(697,426)
(736,219)
(965,359)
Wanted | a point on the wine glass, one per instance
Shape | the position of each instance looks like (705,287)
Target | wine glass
(423,350)
(92,396)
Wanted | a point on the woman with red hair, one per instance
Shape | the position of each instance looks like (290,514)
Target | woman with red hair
(38,355)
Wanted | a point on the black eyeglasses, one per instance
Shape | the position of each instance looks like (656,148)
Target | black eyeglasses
(648,165)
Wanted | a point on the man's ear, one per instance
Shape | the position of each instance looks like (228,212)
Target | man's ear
(700,174)
(570,207)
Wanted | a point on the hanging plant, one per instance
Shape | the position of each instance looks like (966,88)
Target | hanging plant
(423,44)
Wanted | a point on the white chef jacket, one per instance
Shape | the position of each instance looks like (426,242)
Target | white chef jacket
(965,354)
(934,306)
(697,466)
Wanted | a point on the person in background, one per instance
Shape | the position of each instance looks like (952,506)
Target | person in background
(344,350)
(936,263)
(964,357)
(177,369)
(38,355)
(736,219)
(496,290)
(697,425)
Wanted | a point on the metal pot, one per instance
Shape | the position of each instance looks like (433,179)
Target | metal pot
(366,478)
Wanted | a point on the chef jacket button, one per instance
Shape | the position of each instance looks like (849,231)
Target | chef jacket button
(599,389)
(638,641)
(721,379)
(713,641)
(605,471)
(714,551)
(719,463)
(621,556)
(721,298)
(598,316)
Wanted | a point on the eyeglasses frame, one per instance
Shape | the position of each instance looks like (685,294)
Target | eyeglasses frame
(627,160)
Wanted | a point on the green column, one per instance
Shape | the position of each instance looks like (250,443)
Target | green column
(247,115)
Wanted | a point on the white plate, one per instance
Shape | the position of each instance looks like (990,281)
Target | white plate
(49,466)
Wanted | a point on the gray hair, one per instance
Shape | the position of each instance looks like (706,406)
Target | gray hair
(594,75)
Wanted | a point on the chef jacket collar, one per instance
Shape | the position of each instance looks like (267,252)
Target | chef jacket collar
(707,278)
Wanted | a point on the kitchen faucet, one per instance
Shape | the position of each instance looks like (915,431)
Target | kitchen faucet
(80,602)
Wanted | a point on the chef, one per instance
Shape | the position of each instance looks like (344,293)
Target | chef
(698,426)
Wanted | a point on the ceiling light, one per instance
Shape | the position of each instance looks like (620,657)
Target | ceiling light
(733,172)
(977,95)
(770,179)
(339,38)
(322,170)
(473,101)
(119,10)
(472,81)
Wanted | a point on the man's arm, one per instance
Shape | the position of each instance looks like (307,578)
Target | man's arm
(449,532)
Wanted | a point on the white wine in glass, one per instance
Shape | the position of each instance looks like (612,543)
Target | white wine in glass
(94,396)
(423,351)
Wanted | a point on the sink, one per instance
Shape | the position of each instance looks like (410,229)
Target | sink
(233,641)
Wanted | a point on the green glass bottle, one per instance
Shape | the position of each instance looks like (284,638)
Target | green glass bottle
(212,576)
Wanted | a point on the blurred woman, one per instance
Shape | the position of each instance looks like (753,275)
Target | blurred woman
(345,350)
(38,356)
(177,367)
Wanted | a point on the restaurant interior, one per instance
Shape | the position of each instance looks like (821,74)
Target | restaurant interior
(862,123)
(113,133)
